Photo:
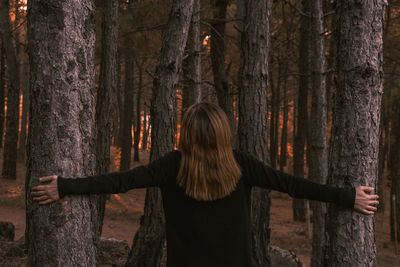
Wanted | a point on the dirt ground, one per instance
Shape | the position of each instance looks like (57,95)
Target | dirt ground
(123,213)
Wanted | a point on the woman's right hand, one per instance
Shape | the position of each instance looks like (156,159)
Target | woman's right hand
(364,202)
(47,193)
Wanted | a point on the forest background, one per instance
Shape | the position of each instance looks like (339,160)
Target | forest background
(281,70)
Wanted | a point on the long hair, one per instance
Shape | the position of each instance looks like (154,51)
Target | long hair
(208,169)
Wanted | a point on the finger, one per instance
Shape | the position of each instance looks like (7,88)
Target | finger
(47,178)
(45,202)
(367,212)
(40,198)
(373,196)
(38,193)
(367,188)
(371,208)
(38,188)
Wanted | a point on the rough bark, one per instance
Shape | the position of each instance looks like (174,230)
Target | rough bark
(13,87)
(119,107)
(127,117)
(24,116)
(61,38)
(192,88)
(2,87)
(318,147)
(217,54)
(299,210)
(252,128)
(355,130)
(105,93)
(149,239)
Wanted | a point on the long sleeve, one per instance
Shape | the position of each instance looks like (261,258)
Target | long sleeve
(154,174)
(259,174)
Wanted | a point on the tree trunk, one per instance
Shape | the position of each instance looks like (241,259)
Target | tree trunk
(24,116)
(61,48)
(105,94)
(145,128)
(394,168)
(217,54)
(284,142)
(138,125)
(252,129)
(275,104)
(355,130)
(299,210)
(2,87)
(149,239)
(119,107)
(126,131)
(318,147)
(192,89)
(12,117)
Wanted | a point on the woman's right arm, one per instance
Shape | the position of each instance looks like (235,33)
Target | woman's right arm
(153,174)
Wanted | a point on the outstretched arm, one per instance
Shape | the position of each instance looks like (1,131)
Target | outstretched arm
(264,176)
(153,174)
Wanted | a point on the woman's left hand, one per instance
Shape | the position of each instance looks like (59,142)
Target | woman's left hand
(364,202)
(45,194)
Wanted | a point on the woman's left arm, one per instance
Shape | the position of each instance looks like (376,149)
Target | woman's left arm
(267,177)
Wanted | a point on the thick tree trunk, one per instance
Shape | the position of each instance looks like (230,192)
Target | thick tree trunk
(192,89)
(12,119)
(61,48)
(252,129)
(318,147)
(217,54)
(149,239)
(138,125)
(127,118)
(299,209)
(24,115)
(2,89)
(105,93)
(355,130)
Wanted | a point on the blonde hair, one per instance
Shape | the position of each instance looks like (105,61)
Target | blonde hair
(208,169)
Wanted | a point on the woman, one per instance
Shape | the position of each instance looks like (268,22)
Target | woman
(206,191)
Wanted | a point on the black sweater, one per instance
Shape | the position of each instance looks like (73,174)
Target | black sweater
(206,233)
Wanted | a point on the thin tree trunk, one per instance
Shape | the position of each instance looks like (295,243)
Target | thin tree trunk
(105,94)
(127,118)
(192,89)
(299,210)
(145,128)
(24,115)
(2,89)
(217,54)
(318,147)
(149,239)
(119,106)
(355,130)
(61,130)
(252,129)
(394,169)
(284,142)
(13,87)
(138,125)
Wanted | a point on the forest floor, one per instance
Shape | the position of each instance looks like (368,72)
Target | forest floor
(123,213)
